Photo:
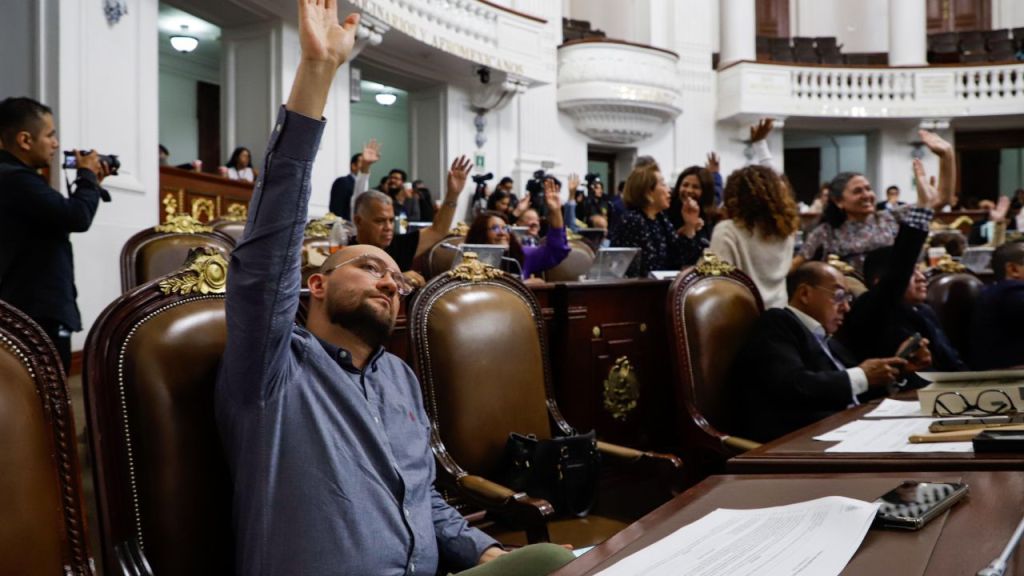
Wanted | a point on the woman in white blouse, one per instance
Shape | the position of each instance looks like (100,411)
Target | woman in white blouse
(240,165)
(759,233)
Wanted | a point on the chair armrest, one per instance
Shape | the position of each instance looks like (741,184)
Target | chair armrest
(739,445)
(517,508)
(634,455)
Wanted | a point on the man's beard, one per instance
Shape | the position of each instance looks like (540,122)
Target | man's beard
(368,323)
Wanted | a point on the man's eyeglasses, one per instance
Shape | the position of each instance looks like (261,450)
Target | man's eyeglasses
(838,296)
(987,401)
(498,229)
(376,268)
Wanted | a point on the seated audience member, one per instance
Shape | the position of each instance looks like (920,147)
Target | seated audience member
(759,234)
(374,217)
(892,199)
(894,308)
(697,184)
(493,229)
(406,203)
(851,227)
(240,165)
(165,156)
(997,326)
(345,189)
(501,202)
(531,220)
(790,374)
(325,432)
(645,225)
(425,200)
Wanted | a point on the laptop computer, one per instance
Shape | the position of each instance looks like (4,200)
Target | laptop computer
(978,259)
(611,263)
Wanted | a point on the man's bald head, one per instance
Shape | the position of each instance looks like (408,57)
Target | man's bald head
(350,252)
(811,273)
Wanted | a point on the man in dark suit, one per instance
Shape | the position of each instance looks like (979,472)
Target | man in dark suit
(37,271)
(892,199)
(997,329)
(790,373)
(345,189)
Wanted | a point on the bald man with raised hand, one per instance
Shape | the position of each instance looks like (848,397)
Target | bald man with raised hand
(325,432)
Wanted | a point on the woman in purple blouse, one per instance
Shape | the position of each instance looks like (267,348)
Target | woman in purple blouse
(492,228)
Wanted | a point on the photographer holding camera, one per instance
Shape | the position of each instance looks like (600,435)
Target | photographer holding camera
(36,268)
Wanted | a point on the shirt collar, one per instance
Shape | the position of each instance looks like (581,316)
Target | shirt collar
(810,323)
(344,358)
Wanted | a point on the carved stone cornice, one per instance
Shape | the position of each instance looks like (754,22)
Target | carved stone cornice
(618,93)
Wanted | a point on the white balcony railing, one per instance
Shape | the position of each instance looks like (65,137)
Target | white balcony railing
(618,92)
(753,89)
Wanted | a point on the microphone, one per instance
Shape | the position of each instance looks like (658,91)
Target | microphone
(998,566)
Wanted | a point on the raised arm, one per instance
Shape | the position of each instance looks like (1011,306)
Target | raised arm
(457,175)
(264,278)
(947,169)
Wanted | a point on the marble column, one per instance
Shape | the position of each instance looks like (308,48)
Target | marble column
(738,29)
(908,29)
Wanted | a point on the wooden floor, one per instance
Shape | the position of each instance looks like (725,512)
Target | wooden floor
(88,489)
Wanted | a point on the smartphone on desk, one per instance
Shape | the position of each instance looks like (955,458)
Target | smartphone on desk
(912,504)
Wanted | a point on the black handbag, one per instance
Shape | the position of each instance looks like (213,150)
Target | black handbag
(563,470)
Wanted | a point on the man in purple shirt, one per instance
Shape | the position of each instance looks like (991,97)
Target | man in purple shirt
(324,431)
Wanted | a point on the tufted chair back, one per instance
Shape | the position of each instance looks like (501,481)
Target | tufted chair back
(478,349)
(43,528)
(232,228)
(156,251)
(713,307)
(440,258)
(576,264)
(952,296)
(162,482)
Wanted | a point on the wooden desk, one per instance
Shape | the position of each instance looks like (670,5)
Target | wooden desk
(206,197)
(799,452)
(961,542)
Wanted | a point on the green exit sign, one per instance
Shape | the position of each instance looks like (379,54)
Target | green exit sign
(479,160)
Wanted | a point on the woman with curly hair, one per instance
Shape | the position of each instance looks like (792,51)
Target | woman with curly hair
(758,235)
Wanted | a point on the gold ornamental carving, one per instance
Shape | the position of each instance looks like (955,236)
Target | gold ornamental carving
(183,224)
(710,265)
(236,213)
(170,205)
(472,269)
(460,229)
(321,227)
(621,390)
(947,265)
(205,272)
(834,261)
(200,205)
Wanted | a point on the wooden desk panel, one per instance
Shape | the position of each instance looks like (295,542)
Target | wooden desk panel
(799,452)
(206,197)
(961,542)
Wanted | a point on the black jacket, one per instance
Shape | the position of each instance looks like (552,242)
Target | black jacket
(37,273)
(880,321)
(997,328)
(341,196)
(782,380)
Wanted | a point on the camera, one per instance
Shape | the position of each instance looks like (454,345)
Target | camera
(535,185)
(111,160)
(481,178)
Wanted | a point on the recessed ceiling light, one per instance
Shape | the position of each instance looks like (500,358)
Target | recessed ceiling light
(386,98)
(183,42)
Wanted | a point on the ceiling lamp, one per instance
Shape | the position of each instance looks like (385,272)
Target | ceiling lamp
(386,98)
(183,42)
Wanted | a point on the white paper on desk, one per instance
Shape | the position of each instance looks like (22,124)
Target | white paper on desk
(808,538)
(890,408)
(841,433)
(892,435)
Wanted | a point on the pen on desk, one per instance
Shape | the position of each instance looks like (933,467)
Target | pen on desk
(955,436)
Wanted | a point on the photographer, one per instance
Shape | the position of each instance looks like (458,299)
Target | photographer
(36,267)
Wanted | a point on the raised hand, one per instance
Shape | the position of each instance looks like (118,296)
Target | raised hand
(927,195)
(712,163)
(321,37)
(371,153)
(554,203)
(935,143)
(761,130)
(457,175)
(998,214)
(692,222)
(574,182)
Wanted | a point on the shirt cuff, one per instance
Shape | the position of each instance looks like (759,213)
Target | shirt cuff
(762,156)
(296,136)
(858,381)
(917,217)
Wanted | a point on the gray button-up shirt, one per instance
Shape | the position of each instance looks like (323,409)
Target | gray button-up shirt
(332,468)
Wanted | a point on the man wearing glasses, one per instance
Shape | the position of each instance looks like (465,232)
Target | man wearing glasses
(325,432)
(791,373)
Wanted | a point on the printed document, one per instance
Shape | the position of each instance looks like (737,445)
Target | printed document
(890,408)
(891,435)
(815,538)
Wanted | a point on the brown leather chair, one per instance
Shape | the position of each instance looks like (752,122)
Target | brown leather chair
(576,264)
(156,251)
(232,228)
(162,483)
(478,347)
(43,528)
(952,294)
(713,307)
(854,280)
